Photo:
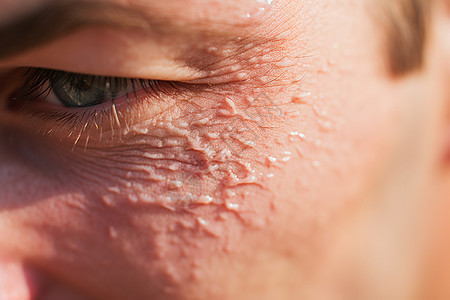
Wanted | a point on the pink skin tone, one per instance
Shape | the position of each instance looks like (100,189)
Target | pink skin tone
(280,181)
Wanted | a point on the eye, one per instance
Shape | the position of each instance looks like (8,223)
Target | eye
(79,90)
(85,91)
(81,109)
(84,109)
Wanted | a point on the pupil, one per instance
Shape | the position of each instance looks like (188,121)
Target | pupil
(84,85)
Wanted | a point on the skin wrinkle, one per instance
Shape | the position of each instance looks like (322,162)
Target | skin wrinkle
(195,161)
(217,216)
(79,137)
(164,277)
(35,28)
(252,73)
(161,263)
(87,148)
(173,255)
(193,60)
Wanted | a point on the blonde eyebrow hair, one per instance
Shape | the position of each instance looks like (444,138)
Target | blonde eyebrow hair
(406,26)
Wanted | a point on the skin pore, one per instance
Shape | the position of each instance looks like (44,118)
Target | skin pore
(278,159)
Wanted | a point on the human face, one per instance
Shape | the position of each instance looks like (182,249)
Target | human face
(269,163)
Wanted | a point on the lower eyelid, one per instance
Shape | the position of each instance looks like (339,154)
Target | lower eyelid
(69,124)
(106,123)
(191,113)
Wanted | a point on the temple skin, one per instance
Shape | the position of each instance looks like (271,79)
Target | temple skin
(288,164)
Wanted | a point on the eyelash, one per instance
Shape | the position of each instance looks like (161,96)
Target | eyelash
(39,83)
(37,86)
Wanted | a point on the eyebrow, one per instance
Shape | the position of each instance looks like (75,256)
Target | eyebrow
(57,19)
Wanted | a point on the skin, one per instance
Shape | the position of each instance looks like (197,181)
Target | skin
(341,194)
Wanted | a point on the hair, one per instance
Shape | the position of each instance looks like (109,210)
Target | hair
(407,28)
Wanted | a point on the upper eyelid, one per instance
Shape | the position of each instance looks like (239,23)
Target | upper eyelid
(38,28)
(191,62)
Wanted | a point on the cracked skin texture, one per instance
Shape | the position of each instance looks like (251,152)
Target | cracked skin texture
(213,191)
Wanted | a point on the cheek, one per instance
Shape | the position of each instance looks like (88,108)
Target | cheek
(186,192)
(163,197)
(202,151)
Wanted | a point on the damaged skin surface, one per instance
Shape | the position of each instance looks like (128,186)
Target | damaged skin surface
(213,187)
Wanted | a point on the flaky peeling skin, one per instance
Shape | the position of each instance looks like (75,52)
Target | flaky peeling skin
(173,192)
(201,145)
(200,188)
(187,182)
(196,145)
